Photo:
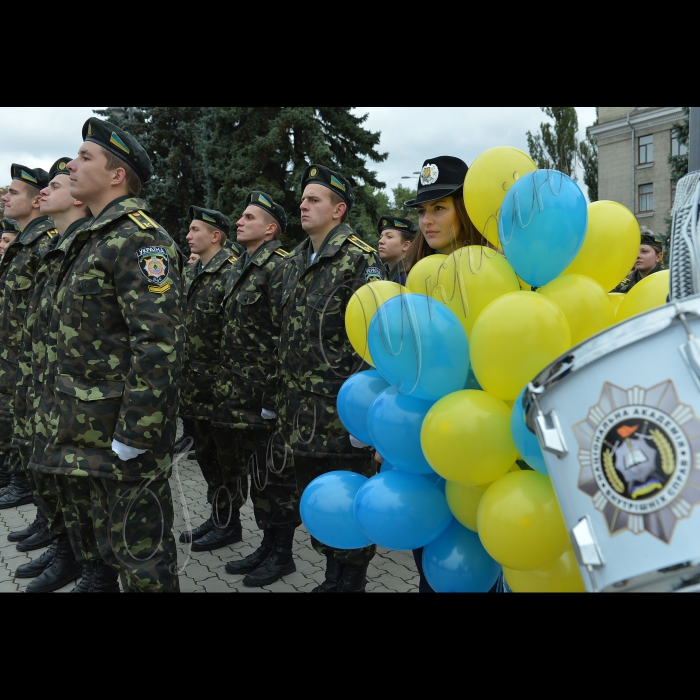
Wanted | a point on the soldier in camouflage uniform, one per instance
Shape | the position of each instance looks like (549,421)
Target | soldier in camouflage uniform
(205,283)
(49,571)
(115,362)
(17,269)
(8,233)
(316,356)
(245,395)
(649,261)
(395,237)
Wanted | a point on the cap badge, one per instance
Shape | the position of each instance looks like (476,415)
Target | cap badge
(118,142)
(429,174)
(313,172)
(337,183)
(62,165)
(264,201)
(89,129)
(383,222)
(206,217)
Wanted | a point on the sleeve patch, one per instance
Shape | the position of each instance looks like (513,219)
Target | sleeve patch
(155,266)
(373,274)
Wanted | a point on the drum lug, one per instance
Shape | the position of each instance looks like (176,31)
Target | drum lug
(586,546)
(550,434)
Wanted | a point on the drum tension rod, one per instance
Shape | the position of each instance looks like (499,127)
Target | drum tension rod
(549,430)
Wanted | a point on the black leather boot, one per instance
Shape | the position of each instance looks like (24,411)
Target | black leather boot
(219,537)
(253,561)
(334,570)
(18,493)
(354,578)
(19,535)
(38,540)
(199,531)
(279,563)
(105,579)
(85,578)
(4,474)
(64,569)
(32,569)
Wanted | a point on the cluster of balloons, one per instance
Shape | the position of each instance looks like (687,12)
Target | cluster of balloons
(452,352)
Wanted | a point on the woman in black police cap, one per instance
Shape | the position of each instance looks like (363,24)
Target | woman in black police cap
(396,234)
(649,261)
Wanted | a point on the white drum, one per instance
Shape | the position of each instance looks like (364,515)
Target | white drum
(618,420)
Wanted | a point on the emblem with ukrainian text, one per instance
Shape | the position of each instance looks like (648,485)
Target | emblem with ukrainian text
(639,451)
(429,174)
(155,265)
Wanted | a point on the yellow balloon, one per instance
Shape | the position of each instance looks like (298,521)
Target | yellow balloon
(616,299)
(466,437)
(563,576)
(513,339)
(611,244)
(487,181)
(470,279)
(422,277)
(648,293)
(520,523)
(585,304)
(463,500)
(361,308)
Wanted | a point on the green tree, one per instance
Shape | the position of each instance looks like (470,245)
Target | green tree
(555,147)
(679,168)
(268,148)
(400,195)
(589,160)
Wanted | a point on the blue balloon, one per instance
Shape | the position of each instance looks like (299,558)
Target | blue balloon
(419,346)
(354,399)
(395,422)
(398,510)
(386,467)
(542,225)
(526,443)
(456,562)
(327,509)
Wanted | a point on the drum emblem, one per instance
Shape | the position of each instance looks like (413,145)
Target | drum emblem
(639,451)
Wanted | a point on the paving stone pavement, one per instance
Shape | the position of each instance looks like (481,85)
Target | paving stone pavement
(203,572)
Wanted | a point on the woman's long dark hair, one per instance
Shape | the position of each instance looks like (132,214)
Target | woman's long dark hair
(467,235)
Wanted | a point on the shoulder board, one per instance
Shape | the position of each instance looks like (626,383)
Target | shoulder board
(52,232)
(361,244)
(233,259)
(282,252)
(142,221)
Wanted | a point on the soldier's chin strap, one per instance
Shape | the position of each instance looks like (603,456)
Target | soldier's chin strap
(684,263)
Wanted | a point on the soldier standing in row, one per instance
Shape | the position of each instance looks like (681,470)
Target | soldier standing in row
(8,233)
(118,350)
(206,281)
(246,389)
(50,572)
(17,269)
(316,356)
(395,237)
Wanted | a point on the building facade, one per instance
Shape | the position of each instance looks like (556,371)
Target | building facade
(633,148)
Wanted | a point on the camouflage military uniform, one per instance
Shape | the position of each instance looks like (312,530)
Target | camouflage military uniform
(398,273)
(316,357)
(114,350)
(247,383)
(203,323)
(31,389)
(633,278)
(17,270)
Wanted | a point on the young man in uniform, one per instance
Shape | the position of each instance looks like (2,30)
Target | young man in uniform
(53,572)
(8,233)
(17,269)
(116,353)
(316,356)
(205,284)
(245,396)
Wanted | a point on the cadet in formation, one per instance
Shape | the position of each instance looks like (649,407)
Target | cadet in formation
(316,356)
(395,237)
(8,233)
(117,360)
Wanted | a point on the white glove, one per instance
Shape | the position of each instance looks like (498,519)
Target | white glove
(125,452)
(357,443)
(267,414)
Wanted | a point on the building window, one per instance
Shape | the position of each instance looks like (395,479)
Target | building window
(646,149)
(646,198)
(677,149)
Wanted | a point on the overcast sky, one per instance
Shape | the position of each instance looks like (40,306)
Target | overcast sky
(38,136)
